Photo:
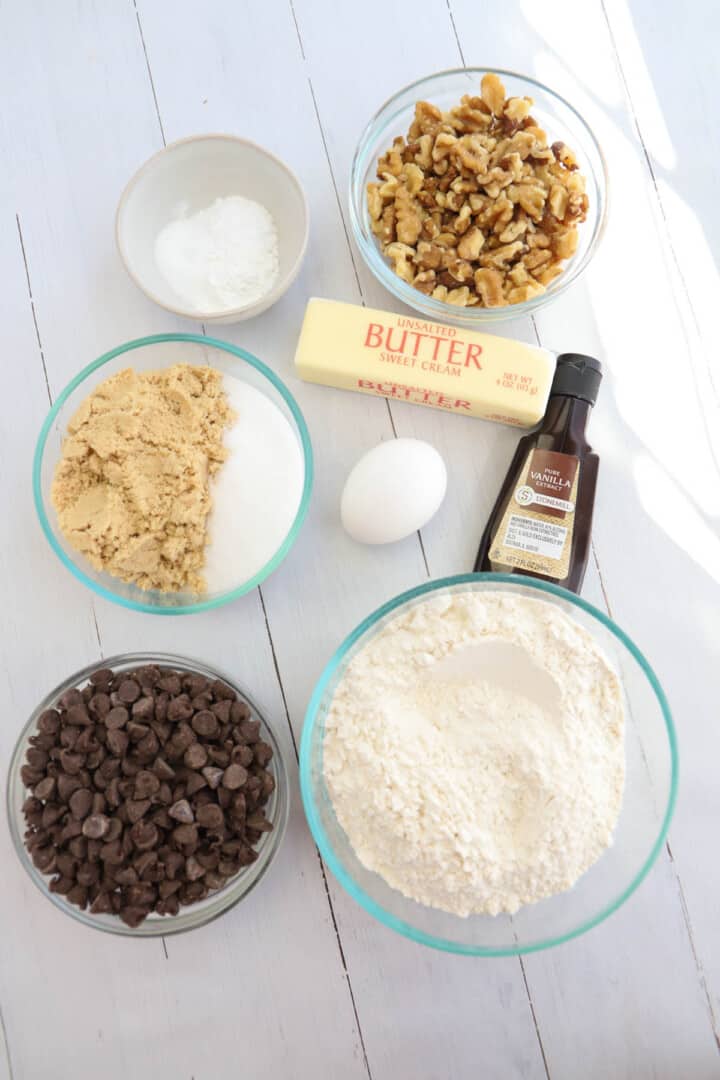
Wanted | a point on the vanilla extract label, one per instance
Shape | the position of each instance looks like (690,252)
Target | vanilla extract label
(536,530)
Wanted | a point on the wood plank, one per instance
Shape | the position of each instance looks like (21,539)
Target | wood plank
(649,378)
(79,118)
(667,57)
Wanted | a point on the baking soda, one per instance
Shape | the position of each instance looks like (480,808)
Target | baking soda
(257,492)
(221,258)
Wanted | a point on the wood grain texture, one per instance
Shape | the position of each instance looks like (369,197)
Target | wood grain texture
(297,981)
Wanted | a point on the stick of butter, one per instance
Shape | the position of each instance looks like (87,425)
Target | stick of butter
(410,359)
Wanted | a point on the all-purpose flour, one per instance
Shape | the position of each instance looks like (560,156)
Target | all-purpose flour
(474,752)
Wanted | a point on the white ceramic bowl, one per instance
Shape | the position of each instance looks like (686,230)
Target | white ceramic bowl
(191,173)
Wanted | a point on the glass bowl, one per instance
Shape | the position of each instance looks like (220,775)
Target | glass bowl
(445,89)
(149,353)
(193,915)
(648,802)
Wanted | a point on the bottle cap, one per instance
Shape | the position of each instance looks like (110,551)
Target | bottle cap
(577,376)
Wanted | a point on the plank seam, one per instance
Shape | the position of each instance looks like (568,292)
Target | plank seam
(150,75)
(454,29)
(277,670)
(32,308)
(6,1044)
(334,184)
(534,1018)
(344,964)
(696,956)
(341,951)
(297,30)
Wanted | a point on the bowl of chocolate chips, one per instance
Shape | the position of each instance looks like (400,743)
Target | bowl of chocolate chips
(147,795)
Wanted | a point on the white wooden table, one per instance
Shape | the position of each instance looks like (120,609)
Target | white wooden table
(297,982)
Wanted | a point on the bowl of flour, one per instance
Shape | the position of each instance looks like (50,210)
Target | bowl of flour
(488,766)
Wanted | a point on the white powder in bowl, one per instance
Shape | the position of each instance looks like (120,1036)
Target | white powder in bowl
(474,752)
(257,492)
(221,258)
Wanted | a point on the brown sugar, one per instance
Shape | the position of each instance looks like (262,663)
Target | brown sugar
(131,489)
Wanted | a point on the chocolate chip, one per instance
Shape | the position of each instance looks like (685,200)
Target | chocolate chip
(30,776)
(102,677)
(195,684)
(213,776)
(241,755)
(36,757)
(49,722)
(52,812)
(235,776)
(128,691)
(95,826)
(179,708)
(185,836)
(171,683)
(127,875)
(135,808)
(78,715)
(143,709)
(70,698)
(239,711)
(162,770)
(117,717)
(144,835)
(99,705)
(117,741)
(250,730)
(221,710)
(80,803)
(222,691)
(146,783)
(133,916)
(194,782)
(195,756)
(182,811)
(263,753)
(137,731)
(46,788)
(148,676)
(210,816)
(205,723)
(193,869)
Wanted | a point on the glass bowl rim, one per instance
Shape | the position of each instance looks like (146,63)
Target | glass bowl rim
(402,290)
(325,847)
(271,565)
(166,925)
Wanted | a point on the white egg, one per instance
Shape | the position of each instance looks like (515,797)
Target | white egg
(393,490)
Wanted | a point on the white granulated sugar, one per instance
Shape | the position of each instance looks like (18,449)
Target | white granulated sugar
(257,492)
(221,258)
(473,785)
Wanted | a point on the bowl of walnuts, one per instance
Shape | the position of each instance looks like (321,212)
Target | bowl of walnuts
(477,195)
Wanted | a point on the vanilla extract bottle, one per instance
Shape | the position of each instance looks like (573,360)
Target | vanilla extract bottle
(541,523)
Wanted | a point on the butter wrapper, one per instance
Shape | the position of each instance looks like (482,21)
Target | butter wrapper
(406,358)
